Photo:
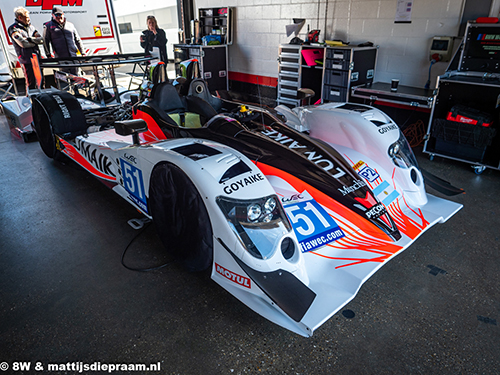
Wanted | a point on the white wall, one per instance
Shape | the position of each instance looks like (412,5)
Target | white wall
(403,53)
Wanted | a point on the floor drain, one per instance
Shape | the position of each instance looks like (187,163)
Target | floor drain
(349,314)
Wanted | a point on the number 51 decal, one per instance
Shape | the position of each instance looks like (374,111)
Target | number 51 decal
(134,184)
(312,225)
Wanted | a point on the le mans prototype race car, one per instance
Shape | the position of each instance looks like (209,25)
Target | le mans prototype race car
(292,211)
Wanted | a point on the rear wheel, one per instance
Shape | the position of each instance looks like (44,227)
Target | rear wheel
(180,217)
(43,128)
(58,113)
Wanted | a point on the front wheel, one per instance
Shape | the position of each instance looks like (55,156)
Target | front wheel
(180,217)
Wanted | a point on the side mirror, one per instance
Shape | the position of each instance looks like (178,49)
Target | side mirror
(131,127)
(305,95)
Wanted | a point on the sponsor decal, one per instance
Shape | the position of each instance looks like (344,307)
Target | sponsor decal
(296,198)
(291,199)
(138,202)
(62,106)
(234,277)
(77,156)
(312,225)
(130,158)
(321,240)
(244,182)
(49,4)
(365,171)
(384,192)
(95,157)
(350,189)
(133,182)
(388,128)
(318,159)
(106,31)
(376,211)
(97,31)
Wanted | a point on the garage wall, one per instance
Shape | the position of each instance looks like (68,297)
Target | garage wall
(403,53)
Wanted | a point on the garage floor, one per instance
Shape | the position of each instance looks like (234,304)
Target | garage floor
(65,297)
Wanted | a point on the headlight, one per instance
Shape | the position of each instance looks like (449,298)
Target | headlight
(401,154)
(258,223)
(270,205)
(253,212)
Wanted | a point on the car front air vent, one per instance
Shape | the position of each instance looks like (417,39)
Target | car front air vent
(196,151)
(354,107)
(234,171)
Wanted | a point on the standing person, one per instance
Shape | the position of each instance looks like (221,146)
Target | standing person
(154,37)
(26,40)
(63,37)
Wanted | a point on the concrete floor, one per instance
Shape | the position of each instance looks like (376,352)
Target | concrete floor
(65,297)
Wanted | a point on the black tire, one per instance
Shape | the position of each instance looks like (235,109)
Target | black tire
(56,113)
(43,128)
(180,217)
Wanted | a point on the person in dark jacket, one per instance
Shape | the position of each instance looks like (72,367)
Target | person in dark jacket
(63,37)
(26,39)
(154,37)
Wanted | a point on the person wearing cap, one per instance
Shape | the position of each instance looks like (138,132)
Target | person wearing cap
(63,37)
(26,39)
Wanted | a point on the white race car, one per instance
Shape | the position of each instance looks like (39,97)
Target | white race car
(291,218)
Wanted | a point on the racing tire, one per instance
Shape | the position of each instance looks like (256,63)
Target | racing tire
(43,129)
(56,113)
(180,217)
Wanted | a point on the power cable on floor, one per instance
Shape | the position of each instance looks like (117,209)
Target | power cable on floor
(141,225)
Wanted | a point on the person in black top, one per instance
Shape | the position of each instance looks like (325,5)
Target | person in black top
(63,37)
(26,39)
(154,37)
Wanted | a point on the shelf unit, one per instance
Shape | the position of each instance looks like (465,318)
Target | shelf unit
(294,74)
(331,78)
(346,67)
(288,74)
(217,21)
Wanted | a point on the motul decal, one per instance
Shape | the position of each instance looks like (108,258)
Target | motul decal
(238,279)
(318,159)
(49,4)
